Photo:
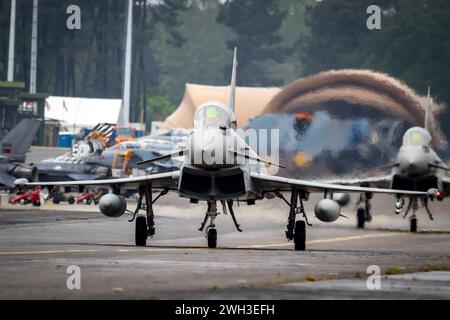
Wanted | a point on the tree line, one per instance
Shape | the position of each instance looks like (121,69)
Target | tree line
(178,41)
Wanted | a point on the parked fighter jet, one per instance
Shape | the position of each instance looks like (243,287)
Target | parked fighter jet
(15,145)
(416,167)
(94,158)
(81,162)
(124,157)
(237,174)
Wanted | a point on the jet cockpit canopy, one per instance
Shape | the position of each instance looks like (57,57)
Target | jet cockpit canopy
(213,114)
(417,136)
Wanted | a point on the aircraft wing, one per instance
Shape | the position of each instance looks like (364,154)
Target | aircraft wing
(274,183)
(377,182)
(159,180)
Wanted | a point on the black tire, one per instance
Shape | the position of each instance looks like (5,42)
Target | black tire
(300,235)
(141,232)
(413,225)
(71,200)
(361,218)
(57,197)
(37,203)
(212,238)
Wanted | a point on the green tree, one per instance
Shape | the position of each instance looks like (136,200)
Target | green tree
(200,58)
(158,108)
(412,45)
(255,24)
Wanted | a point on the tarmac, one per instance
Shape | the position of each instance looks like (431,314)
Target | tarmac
(40,246)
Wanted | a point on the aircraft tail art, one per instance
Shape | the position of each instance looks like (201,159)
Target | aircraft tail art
(17,141)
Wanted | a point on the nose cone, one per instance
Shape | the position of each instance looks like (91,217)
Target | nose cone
(413,161)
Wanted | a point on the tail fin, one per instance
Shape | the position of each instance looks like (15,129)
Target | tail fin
(233,81)
(16,142)
(428,109)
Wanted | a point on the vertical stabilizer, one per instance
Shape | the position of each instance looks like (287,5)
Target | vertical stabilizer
(233,81)
(16,142)
(428,109)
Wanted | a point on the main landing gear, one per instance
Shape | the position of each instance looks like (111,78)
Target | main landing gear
(211,214)
(296,230)
(145,226)
(363,213)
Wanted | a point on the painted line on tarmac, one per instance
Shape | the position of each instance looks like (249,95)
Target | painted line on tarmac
(366,236)
(15,253)
(47,252)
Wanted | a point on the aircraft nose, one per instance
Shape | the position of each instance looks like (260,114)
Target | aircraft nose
(208,148)
(414,164)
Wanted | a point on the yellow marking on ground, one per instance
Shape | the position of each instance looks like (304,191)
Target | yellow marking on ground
(158,249)
(95,250)
(366,236)
(46,252)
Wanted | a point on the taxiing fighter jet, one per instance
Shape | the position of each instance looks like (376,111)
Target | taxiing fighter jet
(14,146)
(416,167)
(220,178)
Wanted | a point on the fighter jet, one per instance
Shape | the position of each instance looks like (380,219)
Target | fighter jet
(416,167)
(220,178)
(15,145)
(93,158)
(124,157)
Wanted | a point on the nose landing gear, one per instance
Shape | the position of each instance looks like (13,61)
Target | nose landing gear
(412,204)
(211,232)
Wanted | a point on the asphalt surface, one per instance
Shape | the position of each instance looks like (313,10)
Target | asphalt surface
(37,245)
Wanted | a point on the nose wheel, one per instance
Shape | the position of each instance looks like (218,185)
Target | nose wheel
(212,238)
(413,224)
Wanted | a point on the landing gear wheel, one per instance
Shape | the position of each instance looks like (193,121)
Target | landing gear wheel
(361,217)
(413,225)
(300,235)
(141,232)
(212,238)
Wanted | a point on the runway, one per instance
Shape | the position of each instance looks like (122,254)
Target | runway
(38,245)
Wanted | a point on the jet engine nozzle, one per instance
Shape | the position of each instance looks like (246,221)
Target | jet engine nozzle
(327,210)
(21,170)
(112,205)
(342,199)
